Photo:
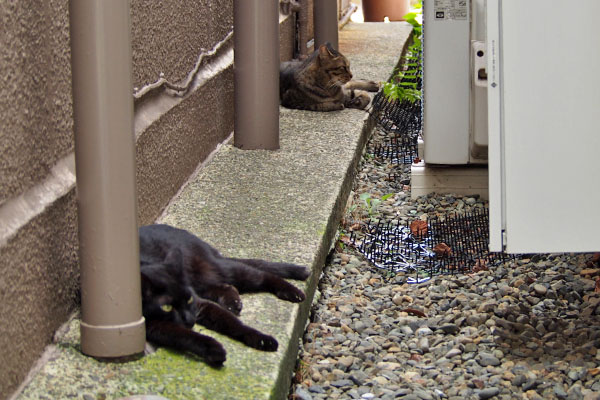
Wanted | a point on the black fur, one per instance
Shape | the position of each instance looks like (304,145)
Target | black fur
(186,281)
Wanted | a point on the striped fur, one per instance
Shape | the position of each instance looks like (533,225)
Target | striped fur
(322,82)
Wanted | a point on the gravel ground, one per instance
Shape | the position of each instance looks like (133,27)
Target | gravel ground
(526,328)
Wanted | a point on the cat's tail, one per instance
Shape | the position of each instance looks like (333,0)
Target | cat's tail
(284,270)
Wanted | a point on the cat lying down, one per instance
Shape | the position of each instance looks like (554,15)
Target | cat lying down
(322,82)
(186,281)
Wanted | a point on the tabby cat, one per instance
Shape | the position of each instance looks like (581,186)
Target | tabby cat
(186,281)
(322,82)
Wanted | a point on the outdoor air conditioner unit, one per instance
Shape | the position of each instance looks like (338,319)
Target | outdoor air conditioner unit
(454,83)
(515,84)
(455,130)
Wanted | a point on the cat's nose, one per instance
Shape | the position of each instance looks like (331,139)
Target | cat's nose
(190,319)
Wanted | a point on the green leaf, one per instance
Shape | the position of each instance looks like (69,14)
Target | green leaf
(387,196)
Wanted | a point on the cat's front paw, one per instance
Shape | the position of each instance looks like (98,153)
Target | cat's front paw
(215,356)
(235,307)
(206,347)
(227,296)
(232,303)
(292,294)
(371,86)
(360,101)
(302,273)
(261,341)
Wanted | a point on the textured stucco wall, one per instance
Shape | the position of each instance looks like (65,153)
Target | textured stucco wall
(169,151)
(38,267)
(35,91)
(38,288)
(168,35)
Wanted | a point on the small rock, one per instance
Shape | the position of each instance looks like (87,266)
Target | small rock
(488,392)
(341,383)
(316,389)
(486,359)
(540,289)
(423,345)
(302,394)
(423,331)
(451,329)
(359,377)
(559,391)
(453,353)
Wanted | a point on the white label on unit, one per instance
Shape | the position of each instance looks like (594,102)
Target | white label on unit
(451,9)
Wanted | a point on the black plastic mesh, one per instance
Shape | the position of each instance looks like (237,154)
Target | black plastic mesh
(397,115)
(402,121)
(453,244)
(397,148)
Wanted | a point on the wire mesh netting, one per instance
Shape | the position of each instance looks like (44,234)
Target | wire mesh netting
(401,120)
(443,245)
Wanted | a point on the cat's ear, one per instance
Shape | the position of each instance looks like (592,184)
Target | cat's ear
(146,284)
(326,50)
(174,258)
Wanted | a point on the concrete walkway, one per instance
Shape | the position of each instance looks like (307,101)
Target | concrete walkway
(280,205)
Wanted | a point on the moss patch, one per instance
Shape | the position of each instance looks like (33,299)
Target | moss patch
(70,374)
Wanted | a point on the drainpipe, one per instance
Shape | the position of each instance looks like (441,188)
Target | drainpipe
(112,325)
(325,15)
(256,74)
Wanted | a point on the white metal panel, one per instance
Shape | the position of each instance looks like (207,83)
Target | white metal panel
(446,82)
(549,92)
(495,147)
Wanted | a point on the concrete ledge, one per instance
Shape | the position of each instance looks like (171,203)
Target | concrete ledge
(278,205)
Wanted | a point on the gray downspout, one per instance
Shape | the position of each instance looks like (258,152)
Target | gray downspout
(256,74)
(111,311)
(325,16)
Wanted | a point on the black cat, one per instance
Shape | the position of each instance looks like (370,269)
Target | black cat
(186,281)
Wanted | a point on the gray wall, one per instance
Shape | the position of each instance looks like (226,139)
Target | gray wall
(39,272)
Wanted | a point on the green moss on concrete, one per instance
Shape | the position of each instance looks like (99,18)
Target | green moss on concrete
(70,374)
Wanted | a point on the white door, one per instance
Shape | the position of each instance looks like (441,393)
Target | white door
(544,125)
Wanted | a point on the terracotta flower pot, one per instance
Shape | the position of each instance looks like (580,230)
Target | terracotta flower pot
(377,10)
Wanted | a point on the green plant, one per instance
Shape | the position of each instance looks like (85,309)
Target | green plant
(372,203)
(406,84)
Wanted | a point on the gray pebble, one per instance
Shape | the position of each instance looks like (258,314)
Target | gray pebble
(302,394)
(487,359)
(488,392)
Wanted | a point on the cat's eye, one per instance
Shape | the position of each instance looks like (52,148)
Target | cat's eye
(166,307)
(191,300)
